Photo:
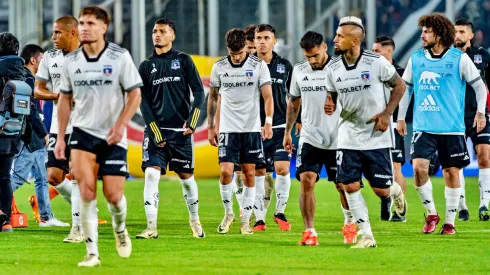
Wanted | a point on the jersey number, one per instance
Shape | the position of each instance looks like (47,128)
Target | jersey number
(51,144)
(223,140)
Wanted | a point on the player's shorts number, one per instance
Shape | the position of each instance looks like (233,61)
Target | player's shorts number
(52,142)
(340,154)
(145,143)
(223,140)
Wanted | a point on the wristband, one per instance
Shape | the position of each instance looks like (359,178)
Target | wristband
(268,120)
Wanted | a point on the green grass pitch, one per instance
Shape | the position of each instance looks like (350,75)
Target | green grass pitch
(402,248)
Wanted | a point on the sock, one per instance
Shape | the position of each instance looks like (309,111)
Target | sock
(64,189)
(88,213)
(462,198)
(259,199)
(395,189)
(452,199)
(283,184)
(348,218)
(484,182)
(189,189)
(248,202)
(75,205)
(313,231)
(238,181)
(360,212)
(53,192)
(118,212)
(151,196)
(268,186)
(227,197)
(425,193)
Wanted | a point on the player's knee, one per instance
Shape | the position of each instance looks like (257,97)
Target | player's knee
(484,160)
(451,174)
(114,198)
(308,179)
(382,192)
(421,170)
(260,172)
(55,178)
(88,194)
(282,171)
(226,175)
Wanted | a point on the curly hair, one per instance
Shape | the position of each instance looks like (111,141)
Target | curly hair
(235,39)
(441,26)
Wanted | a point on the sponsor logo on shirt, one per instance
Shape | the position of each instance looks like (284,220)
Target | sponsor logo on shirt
(166,79)
(429,105)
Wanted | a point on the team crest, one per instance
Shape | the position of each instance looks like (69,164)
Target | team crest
(281,68)
(365,76)
(222,152)
(107,70)
(477,59)
(146,156)
(175,64)
(449,66)
(249,74)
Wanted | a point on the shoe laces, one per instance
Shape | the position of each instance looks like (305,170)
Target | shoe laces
(122,238)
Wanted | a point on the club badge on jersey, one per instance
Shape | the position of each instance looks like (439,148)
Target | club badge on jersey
(365,76)
(281,68)
(478,59)
(175,64)
(107,70)
(249,74)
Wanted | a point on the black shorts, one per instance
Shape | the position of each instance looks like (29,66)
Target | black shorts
(398,153)
(312,159)
(274,150)
(477,138)
(451,149)
(178,153)
(57,163)
(241,148)
(376,165)
(112,160)
(237,167)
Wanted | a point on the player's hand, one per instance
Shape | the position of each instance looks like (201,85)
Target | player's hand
(161,144)
(480,122)
(267,131)
(329,106)
(297,129)
(46,140)
(59,149)
(382,121)
(288,143)
(401,127)
(188,131)
(212,137)
(115,134)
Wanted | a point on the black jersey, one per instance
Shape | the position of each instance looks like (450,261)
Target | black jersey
(481,59)
(169,79)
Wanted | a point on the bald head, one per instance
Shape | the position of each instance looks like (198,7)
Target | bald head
(68,22)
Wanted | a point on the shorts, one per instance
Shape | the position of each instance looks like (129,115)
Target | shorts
(376,165)
(312,159)
(237,167)
(451,149)
(241,148)
(112,160)
(178,153)
(398,153)
(274,150)
(477,138)
(57,163)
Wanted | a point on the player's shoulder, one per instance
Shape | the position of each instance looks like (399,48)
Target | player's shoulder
(221,62)
(334,63)
(116,48)
(419,53)
(483,52)
(52,54)
(369,53)
(301,66)
(254,60)
(74,55)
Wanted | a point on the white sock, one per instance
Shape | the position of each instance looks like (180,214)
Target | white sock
(189,189)
(395,189)
(462,198)
(227,197)
(484,181)
(238,190)
(248,202)
(452,199)
(425,193)
(259,199)
(75,205)
(268,187)
(283,185)
(348,218)
(151,196)
(360,212)
(118,212)
(313,231)
(64,188)
(88,213)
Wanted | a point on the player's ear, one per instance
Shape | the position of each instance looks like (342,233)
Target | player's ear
(472,35)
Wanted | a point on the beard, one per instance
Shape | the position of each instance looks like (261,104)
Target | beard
(460,44)
(339,51)
(429,45)
(159,46)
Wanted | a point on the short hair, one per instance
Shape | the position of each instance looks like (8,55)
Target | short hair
(265,27)
(385,40)
(310,40)
(68,20)
(98,12)
(235,39)
(250,32)
(464,22)
(9,44)
(441,26)
(29,51)
(165,21)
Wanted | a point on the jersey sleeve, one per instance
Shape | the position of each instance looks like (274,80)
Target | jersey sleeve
(145,107)
(407,74)
(129,77)
(294,91)
(65,82)
(43,70)
(329,82)
(265,75)
(194,81)
(386,69)
(215,81)
(468,70)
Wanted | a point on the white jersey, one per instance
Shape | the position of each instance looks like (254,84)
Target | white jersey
(319,129)
(362,94)
(239,88)
(50,71)
(99,85)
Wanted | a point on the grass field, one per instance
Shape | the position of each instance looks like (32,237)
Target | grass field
(402,248)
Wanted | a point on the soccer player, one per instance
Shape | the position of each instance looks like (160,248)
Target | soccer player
(438,74)
(238,78)
(250,46)
(104,82)
(481,141)
(169,78)
(277,159)
(385,46)
(357,79)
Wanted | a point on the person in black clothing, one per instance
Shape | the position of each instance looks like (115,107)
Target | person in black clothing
(481,141)
(385,46)
(250,39)
(169,78)
(11,68)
